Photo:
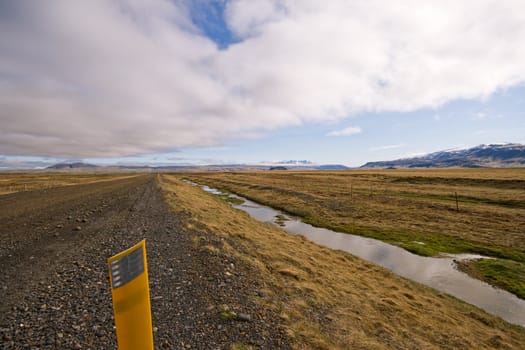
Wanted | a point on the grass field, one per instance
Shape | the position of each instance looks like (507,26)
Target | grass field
(10,183)
(329,299)
(478,211)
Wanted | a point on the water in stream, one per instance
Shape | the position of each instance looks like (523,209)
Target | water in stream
(438,273)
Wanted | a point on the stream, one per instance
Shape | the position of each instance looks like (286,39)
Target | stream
(436,272)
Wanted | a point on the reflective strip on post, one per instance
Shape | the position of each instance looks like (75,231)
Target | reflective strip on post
(128,278)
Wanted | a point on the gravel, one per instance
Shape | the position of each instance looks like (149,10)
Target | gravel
(54,279)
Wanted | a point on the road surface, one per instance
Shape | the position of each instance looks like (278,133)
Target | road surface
(54,282)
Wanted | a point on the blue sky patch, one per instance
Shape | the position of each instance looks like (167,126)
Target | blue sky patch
(209,17)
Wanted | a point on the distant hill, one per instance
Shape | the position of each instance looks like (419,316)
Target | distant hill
(507,155)
(305,165)
(332,167)
(78,165)
(294,162)
(248,167)
(290,165)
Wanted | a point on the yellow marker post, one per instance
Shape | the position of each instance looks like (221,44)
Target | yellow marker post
(128,278)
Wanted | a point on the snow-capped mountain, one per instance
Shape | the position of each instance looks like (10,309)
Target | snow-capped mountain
(506,155)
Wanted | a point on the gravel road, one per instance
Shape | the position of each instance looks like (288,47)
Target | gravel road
(54,284)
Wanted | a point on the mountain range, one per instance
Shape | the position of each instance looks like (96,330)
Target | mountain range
(493,156)
(76,165)
(285,165)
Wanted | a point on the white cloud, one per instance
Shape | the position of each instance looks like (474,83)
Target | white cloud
(412,155)
(387,147)
(25,163)
(112,78)
(480,115)
(351,130)
(249,18)
(485,116)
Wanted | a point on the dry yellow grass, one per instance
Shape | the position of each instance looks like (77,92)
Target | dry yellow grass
(10,183)
(400,206)
(332,300)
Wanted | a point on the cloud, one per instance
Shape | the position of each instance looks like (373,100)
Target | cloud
(485,116)
(351,130)
(387,147)
(24,163)
(109,78)
(412,155)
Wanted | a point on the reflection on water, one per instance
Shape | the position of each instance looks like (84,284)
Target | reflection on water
(438,273)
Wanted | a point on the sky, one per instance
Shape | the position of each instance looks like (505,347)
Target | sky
(169,82)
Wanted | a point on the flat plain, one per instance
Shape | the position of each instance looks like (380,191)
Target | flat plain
(218,278)
(330,299)
(18,182)
(428,212)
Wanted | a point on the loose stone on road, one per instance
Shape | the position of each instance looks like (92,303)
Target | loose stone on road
(55,287)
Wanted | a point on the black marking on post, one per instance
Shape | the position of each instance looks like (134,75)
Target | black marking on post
(127,268)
